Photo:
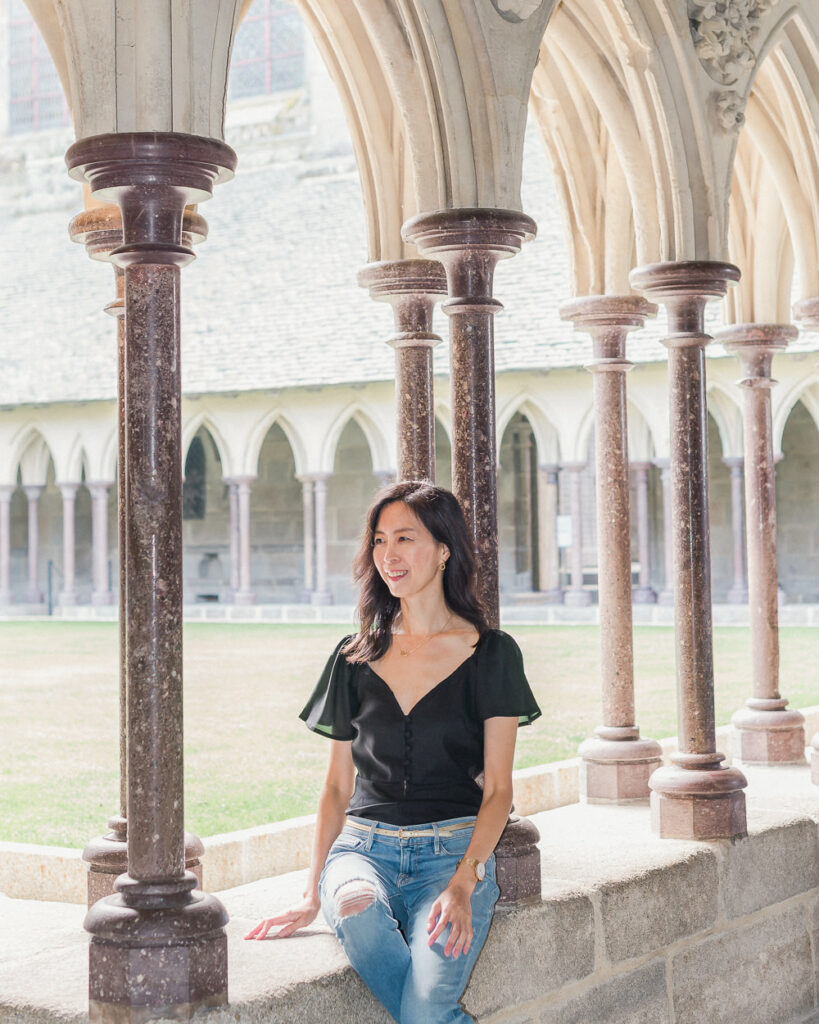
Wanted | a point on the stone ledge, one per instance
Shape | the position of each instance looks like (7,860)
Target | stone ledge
(623,912)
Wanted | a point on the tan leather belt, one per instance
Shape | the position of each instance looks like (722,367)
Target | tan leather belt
(409,832)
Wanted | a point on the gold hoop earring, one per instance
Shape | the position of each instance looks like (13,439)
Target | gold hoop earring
(443,565)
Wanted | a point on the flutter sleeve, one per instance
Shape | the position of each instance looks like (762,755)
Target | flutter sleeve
(334,702)
(503,690)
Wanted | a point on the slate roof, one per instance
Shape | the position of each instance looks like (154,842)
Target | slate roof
(272,301)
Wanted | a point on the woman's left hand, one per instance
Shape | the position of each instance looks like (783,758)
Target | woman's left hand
(454,908)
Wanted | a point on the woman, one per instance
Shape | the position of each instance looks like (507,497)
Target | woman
(419,702)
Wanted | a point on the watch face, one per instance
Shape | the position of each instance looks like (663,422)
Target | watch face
(480,871)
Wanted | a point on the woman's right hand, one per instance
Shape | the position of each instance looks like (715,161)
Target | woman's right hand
(291,920)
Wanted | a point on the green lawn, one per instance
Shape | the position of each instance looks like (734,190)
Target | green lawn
(249,760)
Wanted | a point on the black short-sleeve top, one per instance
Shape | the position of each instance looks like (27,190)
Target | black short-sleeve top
(420,767)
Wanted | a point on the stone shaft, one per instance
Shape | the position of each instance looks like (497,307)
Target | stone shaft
(616,766)
(308,518)
(576,594)
(412,288)
(768,732)
(469,244)
(99,542)
(644,592)
(321,595)
(738,593)
(68,595)
(548,551)
(233,498)
(6,492)
(666,596)
(244,595)
(33,594)
(695,797)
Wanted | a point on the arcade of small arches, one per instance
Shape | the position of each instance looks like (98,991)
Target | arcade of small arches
(273,500)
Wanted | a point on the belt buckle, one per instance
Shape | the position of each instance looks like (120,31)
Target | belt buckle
(402,834)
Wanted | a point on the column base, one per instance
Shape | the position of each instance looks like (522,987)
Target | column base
(616,771)
(33,597)
(644,595)
(517,862)
(108,859)
(666,598)
(157,964)
(577,598)
(692,803)
(102,597)
(244,597)
(5,597)
(737,595)
(553,596)
(774,735)
(65,599)
(321,597)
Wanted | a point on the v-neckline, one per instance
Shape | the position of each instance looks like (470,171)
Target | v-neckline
(437,686)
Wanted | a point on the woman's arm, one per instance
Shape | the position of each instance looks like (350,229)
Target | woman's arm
(453,906)
(333,799)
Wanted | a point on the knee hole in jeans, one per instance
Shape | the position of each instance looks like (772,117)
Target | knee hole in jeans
(353,898)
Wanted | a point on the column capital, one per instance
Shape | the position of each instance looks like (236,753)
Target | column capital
(755,346)
(684,279)
(244,479)
(313,478)
(591,313)
(573,467)
(99,485)
(6,491)
(391,280)
(733,462)
(99,229)
(806,313)
(33,491)
(152,176)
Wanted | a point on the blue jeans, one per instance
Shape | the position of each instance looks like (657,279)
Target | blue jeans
(387,942)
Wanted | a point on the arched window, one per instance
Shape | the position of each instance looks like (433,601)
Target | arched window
(36,96)
(193,489)
(268,52)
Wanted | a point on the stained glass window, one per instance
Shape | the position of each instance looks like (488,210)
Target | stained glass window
(37,101)
(268,52)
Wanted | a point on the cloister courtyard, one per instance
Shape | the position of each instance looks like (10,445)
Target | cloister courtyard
(248,758)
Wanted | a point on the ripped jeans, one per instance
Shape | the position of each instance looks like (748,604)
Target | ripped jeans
(377,892)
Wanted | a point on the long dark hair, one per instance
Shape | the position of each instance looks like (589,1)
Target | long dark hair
(441,514)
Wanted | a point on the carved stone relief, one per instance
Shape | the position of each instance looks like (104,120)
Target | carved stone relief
(725,34)
(729,110)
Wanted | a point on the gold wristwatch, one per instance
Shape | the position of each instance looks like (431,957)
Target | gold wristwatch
(476,865)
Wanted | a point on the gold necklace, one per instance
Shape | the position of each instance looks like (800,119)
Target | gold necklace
(429,636)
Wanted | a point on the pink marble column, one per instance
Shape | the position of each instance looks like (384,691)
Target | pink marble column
(806,314)
(158,919)
(101,593)
(33,593)
(616,763)
(321,595)
(738,593)
(695,797)
(412,288)
(6,491)
(575,594)
(768,731)
(548,552)
(308,519)
(68,594)
(643,593)
(244,595)
(469,243)
(233,499)
(666,595)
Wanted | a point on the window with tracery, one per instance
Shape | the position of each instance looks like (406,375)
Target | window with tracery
(36,96)
(268,52)
(194,487)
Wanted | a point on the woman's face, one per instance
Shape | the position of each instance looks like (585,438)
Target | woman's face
(406,555)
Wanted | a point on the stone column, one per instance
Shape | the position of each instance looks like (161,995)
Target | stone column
(695,797)
(412,288)
(99,542)
(6,491)
(643,593)
(321,595)
(244,595)
(157,920)
(469,243)
(548,552)
(575,594)
(99,229)
(68,594)
(806,314)
(33,593)
(738,594)
(666,596)
(768,732)
(616,763)
(233,497)
(308,515)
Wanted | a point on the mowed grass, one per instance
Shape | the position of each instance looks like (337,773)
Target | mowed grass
(248,758)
